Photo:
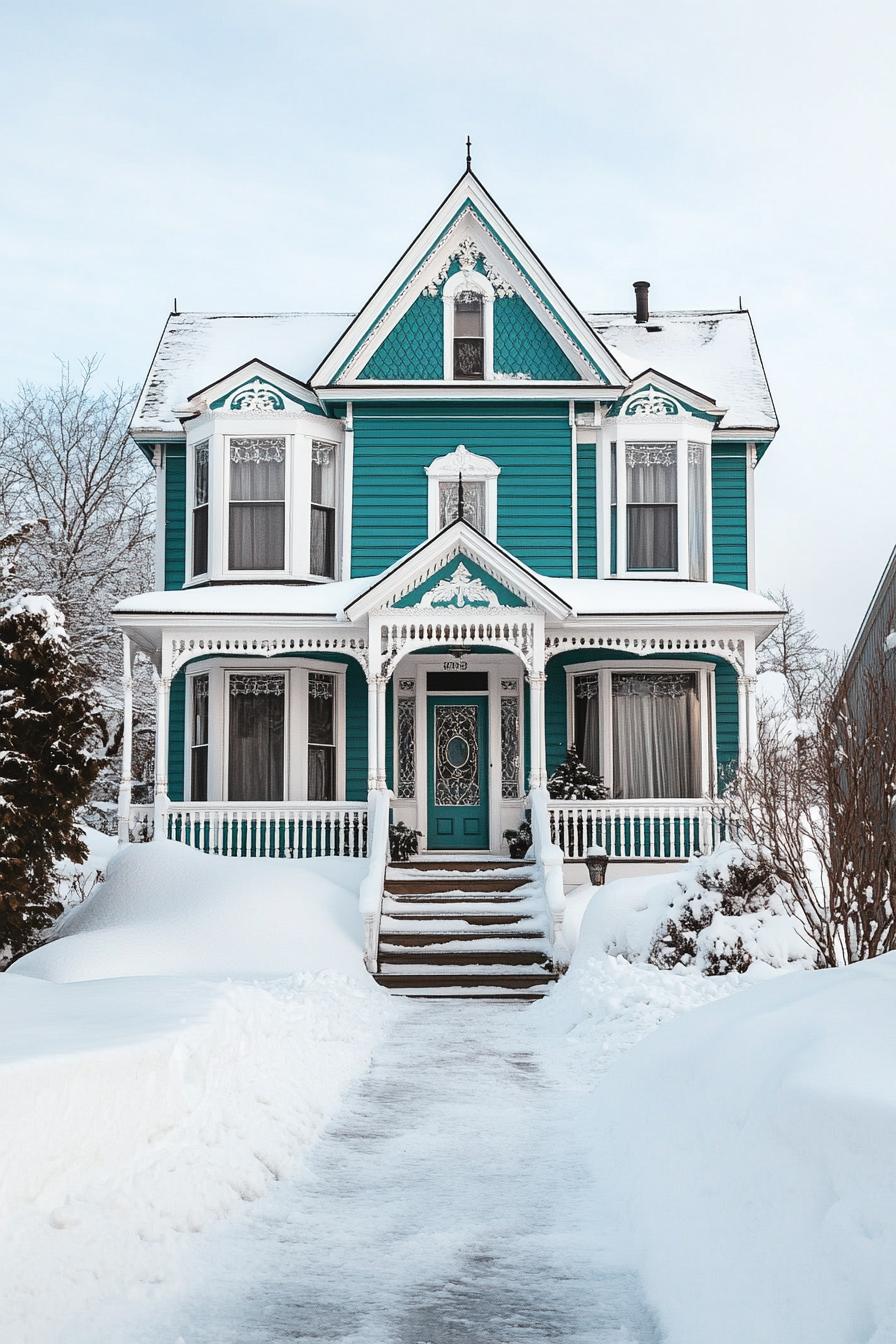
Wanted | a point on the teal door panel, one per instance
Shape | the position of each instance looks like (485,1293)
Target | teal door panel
(457,788)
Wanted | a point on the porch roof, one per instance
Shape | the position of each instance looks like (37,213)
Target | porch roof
(587,598)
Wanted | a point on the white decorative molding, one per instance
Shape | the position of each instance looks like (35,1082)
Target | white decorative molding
(185,648)
(460,589)
(650,402)
(722,646)
(401,634)
(258,397)
(462,462)
(467,252)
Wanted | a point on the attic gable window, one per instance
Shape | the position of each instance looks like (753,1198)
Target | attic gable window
(469,335)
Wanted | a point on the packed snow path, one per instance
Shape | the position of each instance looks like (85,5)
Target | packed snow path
(448,1203)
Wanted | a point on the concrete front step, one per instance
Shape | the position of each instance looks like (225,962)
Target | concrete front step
(434,978)
(444,863)
(483,993)
(461,909)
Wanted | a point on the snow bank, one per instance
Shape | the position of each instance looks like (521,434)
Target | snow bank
(752,1143)
(77,880)
(183,1038)
(134,1111)
(165,909)
(625,917)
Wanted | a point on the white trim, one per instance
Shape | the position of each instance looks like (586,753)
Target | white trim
(605,669)
(431,389)
(574,490)
(348,472)
(475,470)
(158,462)
(295,765)
(752,463)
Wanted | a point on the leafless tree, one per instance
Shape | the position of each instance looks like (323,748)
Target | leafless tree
(67,465)
(793,651)
(817,801)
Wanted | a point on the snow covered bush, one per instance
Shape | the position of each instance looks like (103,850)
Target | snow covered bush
(47,769)
(573,779)
(702,930)
(714,915)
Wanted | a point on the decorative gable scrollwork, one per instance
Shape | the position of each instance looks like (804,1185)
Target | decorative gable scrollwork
(258,396)
(467,253)
(652,403)
(460,589)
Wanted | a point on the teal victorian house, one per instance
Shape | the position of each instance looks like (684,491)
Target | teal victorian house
(408,556)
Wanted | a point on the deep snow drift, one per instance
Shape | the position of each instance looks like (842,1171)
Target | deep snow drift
(752,1143)
(216,1012)
(165,909)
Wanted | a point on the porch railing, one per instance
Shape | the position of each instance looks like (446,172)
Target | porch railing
(637,830)
(263,830)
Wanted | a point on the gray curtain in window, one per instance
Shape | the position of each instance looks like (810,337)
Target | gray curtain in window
(652,515)
(256,754)
(656,736)
(588,722)
(257,514)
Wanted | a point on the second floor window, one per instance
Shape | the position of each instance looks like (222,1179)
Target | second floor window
(257,529)
(200,508)
(651,471)
(323,509)
(469,335)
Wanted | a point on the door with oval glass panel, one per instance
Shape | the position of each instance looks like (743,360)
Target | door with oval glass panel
(457,793)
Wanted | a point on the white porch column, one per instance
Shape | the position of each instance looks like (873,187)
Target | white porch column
(371,732)
(160,798)
(538,771)
(742,746)
(127,737)
(381,684)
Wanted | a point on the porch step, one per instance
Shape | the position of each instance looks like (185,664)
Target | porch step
(464,927)
(428,886)
(460,955)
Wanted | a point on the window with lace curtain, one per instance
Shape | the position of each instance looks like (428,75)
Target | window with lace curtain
(658,511)
(640,731)
(257,524)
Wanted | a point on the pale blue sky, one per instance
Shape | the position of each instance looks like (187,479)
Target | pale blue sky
(281,154)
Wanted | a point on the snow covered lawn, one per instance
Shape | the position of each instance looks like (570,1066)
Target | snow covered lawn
(747,1145)
(206,1018)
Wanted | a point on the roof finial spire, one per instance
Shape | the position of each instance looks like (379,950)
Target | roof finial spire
(469,153)
(460,497)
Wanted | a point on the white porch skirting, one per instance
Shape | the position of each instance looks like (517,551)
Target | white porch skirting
(262,830)
(637,830)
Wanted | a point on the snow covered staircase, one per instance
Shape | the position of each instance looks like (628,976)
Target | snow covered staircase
(466,928)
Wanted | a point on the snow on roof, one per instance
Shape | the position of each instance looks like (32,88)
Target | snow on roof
(587,597)
(660,597)
(250,599)
(197,349)
(712,352)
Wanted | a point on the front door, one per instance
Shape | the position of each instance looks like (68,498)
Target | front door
(457,738)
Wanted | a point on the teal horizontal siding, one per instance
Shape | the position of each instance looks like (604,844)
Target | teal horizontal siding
(587,510)
(177,724)
(175,514)
(395,443)
(729,514)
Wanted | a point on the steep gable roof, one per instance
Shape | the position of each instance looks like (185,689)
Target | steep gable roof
(468,212)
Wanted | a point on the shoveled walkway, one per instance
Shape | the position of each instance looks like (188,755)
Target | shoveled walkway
(449,1203)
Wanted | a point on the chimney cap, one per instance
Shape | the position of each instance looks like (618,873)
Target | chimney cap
(642,306)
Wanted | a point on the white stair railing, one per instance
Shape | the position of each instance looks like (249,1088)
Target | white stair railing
(370,899)
(549,860)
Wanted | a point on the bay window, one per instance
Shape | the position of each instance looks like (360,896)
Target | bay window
(323,509)
(651,473)
(658,509)
(199,741)
(321,736)
(256,737)
(200,508)
(644,733)
(257,524)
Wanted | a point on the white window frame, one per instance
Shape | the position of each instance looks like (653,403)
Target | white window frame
(678,430)
(295,730)
(705,673)
(454,285)
(475,470)
(288,513)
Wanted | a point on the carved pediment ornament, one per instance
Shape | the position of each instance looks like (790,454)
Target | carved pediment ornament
(460,589)
(467,252)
